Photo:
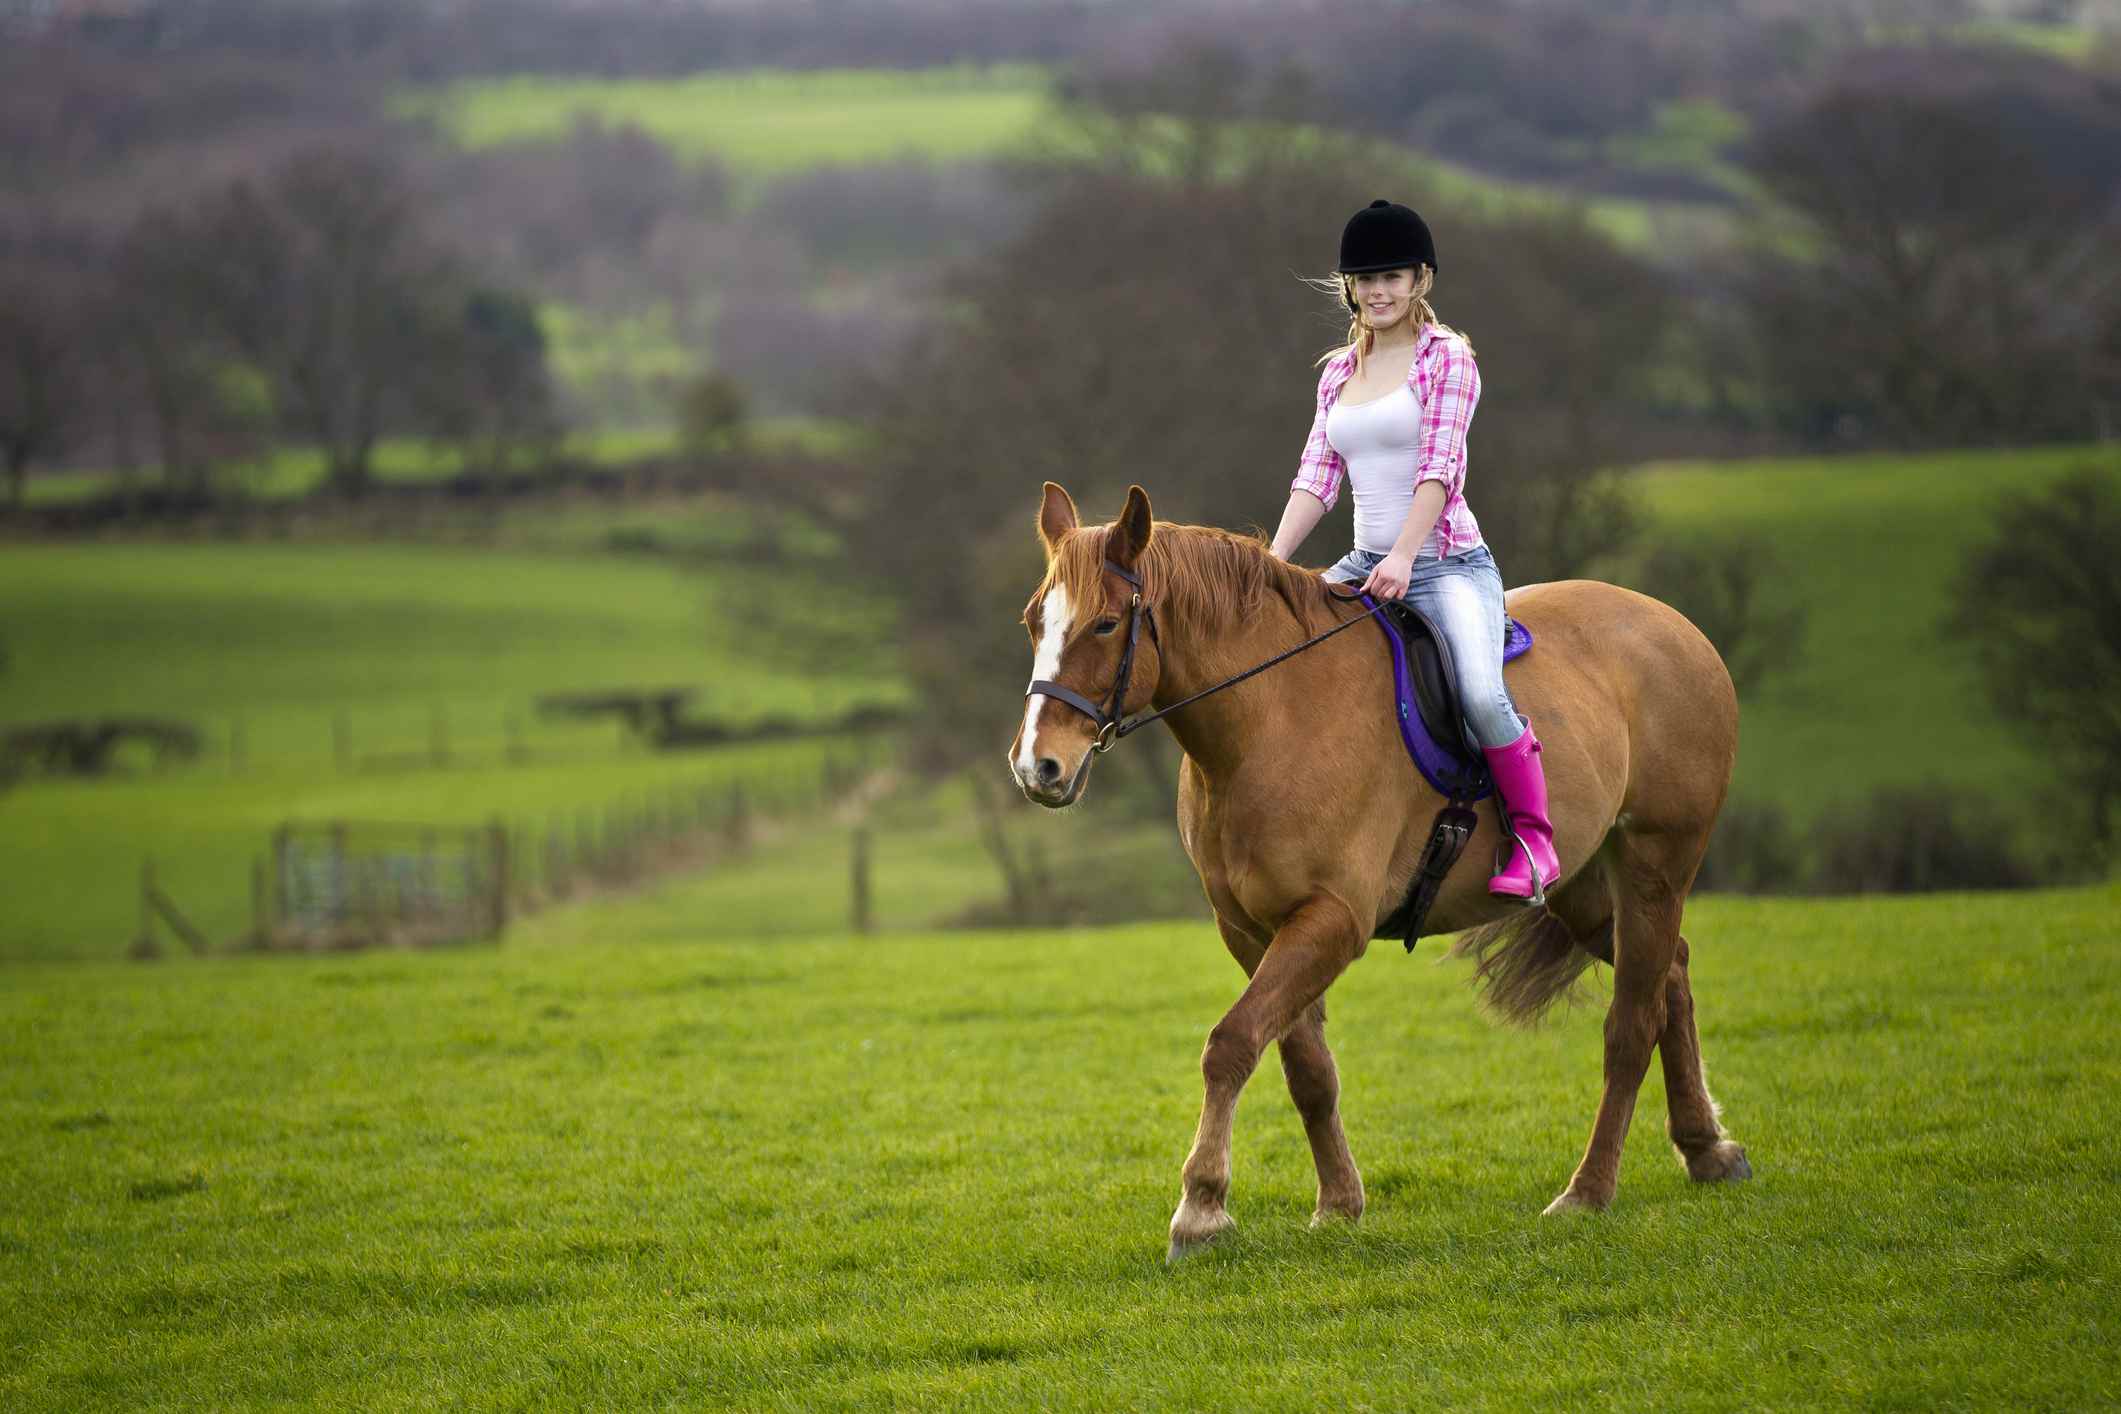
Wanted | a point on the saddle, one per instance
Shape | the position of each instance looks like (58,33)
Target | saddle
(1433,728)
(1425,701)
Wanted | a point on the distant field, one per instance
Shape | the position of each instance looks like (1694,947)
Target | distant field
(762,121)
(263,646)
(292,472)
(608,1165)
(766,123)
(1879,694)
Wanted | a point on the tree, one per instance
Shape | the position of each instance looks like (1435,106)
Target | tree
(1719,587)
(486,386)
(1949,279)
(322,278)
(712,417)
(2041,602)
(1147,325)
(203,404)
(41,390)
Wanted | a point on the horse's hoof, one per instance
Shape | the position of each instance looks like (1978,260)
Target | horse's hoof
(1573,1202)
(1335,1217)
(1723,1163)
(1190,1235)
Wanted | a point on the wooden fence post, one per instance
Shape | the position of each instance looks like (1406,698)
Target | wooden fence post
(864,916)
(260,904)
(497,844)
(281,886)
(737,825)
(144,947)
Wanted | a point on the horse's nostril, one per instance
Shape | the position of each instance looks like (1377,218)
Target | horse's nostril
(1049,771)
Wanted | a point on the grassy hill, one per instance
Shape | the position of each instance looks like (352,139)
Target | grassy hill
(581,1170)
(270,648)
(1879,694)
(270,643)
(761,121)
(767,123)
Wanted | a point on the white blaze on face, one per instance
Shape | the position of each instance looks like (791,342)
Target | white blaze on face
(1045,666)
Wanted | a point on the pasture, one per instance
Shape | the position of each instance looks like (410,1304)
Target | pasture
(761,121)
(268,646)
(1868,545)
(769,123)
(612,1164)
(269,641)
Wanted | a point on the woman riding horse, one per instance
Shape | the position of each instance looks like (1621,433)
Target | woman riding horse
(1306,822)
(1394,407)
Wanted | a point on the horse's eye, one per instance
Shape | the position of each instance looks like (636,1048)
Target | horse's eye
(1106,627)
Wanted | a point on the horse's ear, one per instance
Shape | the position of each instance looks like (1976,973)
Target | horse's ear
(1056,517)
(1130,533)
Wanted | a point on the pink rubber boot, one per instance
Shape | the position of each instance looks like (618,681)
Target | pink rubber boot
(1524,789)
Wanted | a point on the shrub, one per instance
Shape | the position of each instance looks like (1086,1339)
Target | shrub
(1719,587)
(1918,839)
(2040,603)
(1754,851)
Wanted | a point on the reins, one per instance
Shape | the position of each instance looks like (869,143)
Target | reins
(1110,728)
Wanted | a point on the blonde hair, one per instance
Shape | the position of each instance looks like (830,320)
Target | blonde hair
(1360,336)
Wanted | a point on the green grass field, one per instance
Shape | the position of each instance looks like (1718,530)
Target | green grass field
(761,121)
(1879,695)
(768,123)
(292,472)
(270,644)
(611,1165)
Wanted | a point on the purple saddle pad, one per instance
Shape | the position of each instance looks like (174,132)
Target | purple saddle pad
(1445,765)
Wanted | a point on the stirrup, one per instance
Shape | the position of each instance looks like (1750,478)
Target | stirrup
(1538,897)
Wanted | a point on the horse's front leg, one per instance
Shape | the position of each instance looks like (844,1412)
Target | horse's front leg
(1313,946)
(1314,1087)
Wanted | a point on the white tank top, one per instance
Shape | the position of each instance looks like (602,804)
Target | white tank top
(1380,441)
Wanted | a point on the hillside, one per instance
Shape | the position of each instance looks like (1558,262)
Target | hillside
(380,681)
(1879,694)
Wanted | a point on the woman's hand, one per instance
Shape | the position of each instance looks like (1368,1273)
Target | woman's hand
(1389,579)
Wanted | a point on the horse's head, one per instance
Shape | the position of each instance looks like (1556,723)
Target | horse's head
(1094,644)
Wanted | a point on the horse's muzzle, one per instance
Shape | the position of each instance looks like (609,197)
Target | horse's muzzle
(1049,787)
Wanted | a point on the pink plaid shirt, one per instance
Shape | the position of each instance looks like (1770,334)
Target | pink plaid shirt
(1446,382)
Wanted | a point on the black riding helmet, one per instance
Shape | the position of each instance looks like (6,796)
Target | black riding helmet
(1384,236)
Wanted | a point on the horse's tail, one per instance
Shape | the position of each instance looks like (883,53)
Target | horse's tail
(1526,962)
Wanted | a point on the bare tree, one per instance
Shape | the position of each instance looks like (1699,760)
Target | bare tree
(41,390)
(1724,589)
(1149,325)
(1953,281)
(321,278)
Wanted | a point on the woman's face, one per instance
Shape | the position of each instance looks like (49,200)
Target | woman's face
(1385,297)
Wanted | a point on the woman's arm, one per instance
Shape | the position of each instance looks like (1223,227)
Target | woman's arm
(1298,519)
(1389,579)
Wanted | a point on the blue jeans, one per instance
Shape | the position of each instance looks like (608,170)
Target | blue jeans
(1462,595)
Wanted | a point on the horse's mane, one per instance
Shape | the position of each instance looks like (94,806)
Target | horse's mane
(1195,575)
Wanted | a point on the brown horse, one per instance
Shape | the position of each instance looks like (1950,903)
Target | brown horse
(1305,820)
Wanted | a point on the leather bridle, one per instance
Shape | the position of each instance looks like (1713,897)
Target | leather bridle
(1110,727)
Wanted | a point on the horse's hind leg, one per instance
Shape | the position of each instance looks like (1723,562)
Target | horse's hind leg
(1646,909)
(1708,1154)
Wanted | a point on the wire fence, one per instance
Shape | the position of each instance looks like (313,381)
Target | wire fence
(341,884)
